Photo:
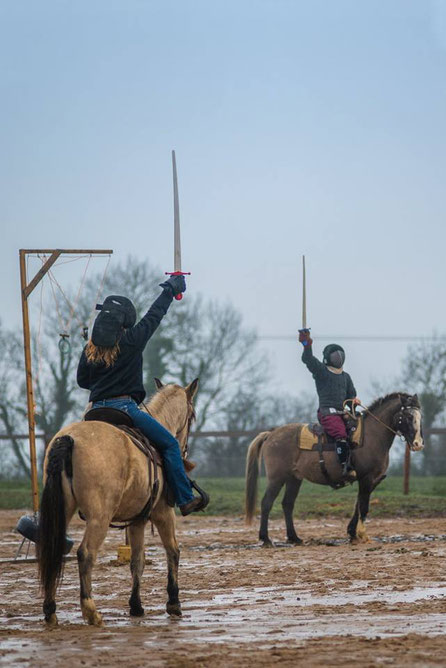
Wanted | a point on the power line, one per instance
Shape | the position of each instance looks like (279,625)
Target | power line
(349,337)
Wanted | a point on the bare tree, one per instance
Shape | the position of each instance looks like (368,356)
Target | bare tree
(12,401)
(424,372)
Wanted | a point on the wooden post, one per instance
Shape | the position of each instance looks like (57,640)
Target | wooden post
(26,289)
(406,470)
(29,385)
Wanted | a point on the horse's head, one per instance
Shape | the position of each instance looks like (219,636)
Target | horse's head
(407,422)
(180,408)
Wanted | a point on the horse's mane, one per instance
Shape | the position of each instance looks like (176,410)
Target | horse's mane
(406,399)
(157,400)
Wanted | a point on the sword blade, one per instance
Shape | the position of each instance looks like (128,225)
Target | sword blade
(304,295)
(176,218)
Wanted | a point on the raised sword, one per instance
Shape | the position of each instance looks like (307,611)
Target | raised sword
(176,229)
(304,329)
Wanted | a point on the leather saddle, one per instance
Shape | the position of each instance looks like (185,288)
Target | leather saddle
(111,415)
(313,436)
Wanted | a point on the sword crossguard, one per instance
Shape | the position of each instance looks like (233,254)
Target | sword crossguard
(179,296)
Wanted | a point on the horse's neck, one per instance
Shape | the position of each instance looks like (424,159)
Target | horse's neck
(168,414)
(385,413)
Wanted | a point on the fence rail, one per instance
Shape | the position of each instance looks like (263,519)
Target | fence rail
(250,433)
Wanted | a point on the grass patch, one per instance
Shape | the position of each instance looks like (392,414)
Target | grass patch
(427,498)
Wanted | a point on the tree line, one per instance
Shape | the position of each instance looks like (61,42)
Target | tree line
(198,338)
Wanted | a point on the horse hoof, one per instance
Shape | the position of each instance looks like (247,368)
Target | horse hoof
(137,612)
(359,540)
(51,622)
(267,543)
(96,619)
(174,609)
(295,541)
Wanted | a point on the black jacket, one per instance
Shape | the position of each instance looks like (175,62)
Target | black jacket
(332,388)
(125,376)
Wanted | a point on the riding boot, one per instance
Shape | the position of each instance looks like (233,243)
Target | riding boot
(343,454)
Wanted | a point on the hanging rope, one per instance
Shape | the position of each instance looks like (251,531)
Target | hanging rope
(65,324)
(39,341)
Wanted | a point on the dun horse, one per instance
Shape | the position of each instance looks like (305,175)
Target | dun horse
(287,465)
(95,467)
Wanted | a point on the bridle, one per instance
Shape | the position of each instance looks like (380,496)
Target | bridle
(190,417)
(398,419)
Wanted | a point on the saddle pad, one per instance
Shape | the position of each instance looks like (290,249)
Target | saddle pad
(307,439)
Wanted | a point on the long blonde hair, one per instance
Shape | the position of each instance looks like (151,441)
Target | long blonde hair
(101,354)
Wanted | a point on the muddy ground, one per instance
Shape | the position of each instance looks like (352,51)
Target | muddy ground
(321,604)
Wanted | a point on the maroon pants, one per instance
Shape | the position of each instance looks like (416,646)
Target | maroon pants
(334,425)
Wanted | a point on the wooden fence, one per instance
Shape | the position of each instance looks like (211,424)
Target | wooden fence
(251,434)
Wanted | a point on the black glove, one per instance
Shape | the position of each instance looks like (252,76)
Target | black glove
(304,337)
(175,284)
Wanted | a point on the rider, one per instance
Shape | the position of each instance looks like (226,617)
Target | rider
(334,386)
(111,368)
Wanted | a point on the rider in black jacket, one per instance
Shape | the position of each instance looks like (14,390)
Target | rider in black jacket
(111,368)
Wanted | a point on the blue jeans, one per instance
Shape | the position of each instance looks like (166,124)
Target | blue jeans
(165,443)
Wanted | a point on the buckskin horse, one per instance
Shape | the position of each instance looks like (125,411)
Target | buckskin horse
(286,464)
(96,468)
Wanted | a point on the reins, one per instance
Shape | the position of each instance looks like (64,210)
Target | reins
(397,433)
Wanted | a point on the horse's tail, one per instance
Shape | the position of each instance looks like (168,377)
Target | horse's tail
(252,473)
(52,523)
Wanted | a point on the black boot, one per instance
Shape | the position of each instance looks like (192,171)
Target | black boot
(197,503)
(343,454)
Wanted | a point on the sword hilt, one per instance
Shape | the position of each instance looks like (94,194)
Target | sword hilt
(179,296)
(304,330)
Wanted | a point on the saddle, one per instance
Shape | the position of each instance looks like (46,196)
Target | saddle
(124,422)
(313,437)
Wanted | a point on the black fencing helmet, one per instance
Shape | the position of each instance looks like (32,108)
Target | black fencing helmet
(334,356)
(116,313)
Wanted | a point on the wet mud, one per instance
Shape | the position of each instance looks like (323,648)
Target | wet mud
(326,602)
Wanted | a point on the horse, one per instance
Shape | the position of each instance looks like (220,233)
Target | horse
(397,413)
(95,467)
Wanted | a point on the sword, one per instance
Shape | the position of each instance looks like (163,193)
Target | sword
(304,300)
(304,295)
(176,229)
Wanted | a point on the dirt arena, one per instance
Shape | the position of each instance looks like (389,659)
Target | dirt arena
(324,603)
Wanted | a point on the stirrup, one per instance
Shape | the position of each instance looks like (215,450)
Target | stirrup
(204,495)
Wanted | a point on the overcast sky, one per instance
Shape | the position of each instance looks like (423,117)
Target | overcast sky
(299,127)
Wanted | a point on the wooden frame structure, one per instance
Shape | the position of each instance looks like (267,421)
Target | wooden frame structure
(26,290)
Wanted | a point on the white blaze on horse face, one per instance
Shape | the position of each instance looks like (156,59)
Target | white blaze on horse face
(418,443)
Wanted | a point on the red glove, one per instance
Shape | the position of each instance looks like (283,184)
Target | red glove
(304,337)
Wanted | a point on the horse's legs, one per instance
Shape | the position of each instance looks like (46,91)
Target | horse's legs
(86,556)
(165,523)
(289,498)
(356,527)
(273,489)
(49,601)
(136,539)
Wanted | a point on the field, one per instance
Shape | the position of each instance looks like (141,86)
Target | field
(427,497)
(324,603)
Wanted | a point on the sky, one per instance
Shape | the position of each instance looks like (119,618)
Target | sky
(299,128)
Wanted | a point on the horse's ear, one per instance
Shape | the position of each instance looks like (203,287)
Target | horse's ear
(158,383)
(191,389)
